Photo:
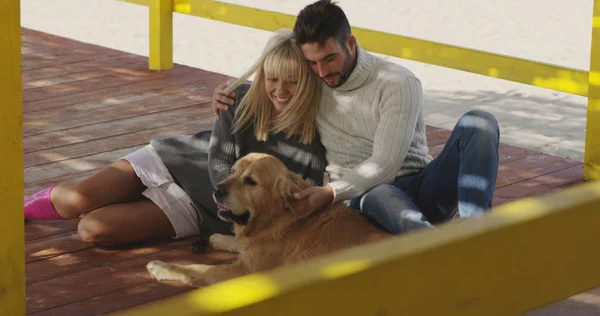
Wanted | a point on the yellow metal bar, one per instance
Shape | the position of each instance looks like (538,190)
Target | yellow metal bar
(538,74)
(521,256)
(235,14)
(533,73)
(12,237)
(161,34)
(503,67)
(592,133)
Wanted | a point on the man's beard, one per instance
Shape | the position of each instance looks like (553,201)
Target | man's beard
(346,72)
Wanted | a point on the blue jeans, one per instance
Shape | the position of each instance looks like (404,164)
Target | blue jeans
(461,179)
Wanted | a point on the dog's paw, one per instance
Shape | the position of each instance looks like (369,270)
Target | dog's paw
(197,282)
(160,270)
(222,242)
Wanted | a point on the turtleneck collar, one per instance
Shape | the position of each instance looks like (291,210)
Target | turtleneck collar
(361,71)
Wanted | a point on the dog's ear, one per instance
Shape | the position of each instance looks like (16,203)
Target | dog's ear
(286,186)
(290,183)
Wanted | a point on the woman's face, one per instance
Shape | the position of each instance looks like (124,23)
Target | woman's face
(280,91)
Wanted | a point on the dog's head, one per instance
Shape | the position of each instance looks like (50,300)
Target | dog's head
(260,188)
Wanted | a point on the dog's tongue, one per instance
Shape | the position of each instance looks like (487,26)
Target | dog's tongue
(222,207)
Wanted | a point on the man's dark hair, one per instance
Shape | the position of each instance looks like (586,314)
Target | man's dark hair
(320,21)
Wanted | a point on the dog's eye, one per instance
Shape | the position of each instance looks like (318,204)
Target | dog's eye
(249,181)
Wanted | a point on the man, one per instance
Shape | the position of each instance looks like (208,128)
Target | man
(372,126)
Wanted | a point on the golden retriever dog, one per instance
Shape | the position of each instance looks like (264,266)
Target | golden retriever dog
(271,227)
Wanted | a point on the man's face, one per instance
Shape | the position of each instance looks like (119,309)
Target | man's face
(331,61)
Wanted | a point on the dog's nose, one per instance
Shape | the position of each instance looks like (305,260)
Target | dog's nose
(220,191)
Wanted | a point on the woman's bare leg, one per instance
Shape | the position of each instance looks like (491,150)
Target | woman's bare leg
(113,207)
(114,184)
(125,223)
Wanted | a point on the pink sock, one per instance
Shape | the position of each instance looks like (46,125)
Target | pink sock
(39,207)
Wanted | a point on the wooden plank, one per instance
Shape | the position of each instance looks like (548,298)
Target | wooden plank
(44,122)
(55,54)
(106,279)
(491,276)
(68,78)
(114,143)
(544,184)
(436,136)
(67,47)
(74,166)
(37,43)
(541,185)
(80,134)
(12,266)
(40,40)
(44,229)
(109,79)
(51,58)
(45,248)
(174,77)
(81,86)
(69,263)
(113,301)
(118,63)
(530,167)
(79,115)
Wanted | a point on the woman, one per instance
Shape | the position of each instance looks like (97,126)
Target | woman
(165,189)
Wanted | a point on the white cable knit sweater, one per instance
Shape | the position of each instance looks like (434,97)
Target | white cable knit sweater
(372,126)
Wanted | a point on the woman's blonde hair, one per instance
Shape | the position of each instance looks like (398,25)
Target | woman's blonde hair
(281,58)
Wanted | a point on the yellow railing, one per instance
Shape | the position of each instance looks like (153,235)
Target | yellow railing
(12,240)
(592,133)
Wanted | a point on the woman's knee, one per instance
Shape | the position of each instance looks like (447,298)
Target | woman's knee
(71,201)
(93,230)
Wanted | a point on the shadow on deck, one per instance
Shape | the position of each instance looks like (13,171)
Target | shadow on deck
(85,106)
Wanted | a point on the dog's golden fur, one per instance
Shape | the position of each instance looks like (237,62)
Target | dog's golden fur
(271,227)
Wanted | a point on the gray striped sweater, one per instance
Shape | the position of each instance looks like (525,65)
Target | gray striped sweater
(199,161)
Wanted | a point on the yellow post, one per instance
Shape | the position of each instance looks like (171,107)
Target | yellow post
(161,34)
(12,237)
(592,135)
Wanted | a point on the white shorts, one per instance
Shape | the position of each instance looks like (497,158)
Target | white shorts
(164,192)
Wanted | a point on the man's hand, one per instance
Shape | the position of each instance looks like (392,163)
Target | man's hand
(318,197)
(221,101)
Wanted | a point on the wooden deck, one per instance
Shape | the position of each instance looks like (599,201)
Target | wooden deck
(85,106)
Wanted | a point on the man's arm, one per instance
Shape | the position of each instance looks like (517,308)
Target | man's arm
(222,149)
(400,106)
(318,163)
(221,101)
